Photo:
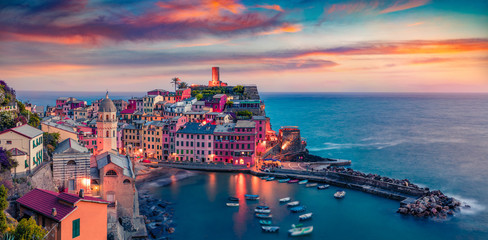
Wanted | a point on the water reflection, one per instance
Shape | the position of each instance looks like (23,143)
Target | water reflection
(211,193)
(240,217)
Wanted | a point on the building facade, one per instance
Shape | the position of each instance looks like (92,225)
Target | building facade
(107,126)
(71,166)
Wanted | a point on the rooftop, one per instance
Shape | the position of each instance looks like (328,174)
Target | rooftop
(245,124)
(119,160)
(43,201)
(225,128)
(197,128)
(25,130)
(70,146)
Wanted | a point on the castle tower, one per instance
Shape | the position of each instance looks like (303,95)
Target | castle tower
(216,78)
(106,126)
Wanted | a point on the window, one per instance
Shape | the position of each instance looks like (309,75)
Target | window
(106,134)
(9,142)
(76,228)
(126,181)
(111,173)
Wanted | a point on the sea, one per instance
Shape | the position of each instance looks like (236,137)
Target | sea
(438,140)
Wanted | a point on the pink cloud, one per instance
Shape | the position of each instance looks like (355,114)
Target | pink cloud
(404,5)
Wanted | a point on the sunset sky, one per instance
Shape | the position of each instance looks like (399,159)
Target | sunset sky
(290,46)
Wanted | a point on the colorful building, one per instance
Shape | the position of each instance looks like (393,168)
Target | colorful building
(194,142)
(26,139)
(235,143)
(182,94)
(71,166)
(217,103)
(64,215)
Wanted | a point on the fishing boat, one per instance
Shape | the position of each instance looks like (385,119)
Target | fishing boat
(305,216)
(293,204)
(311,185)
(265,222)
(340,194)
(297,209)
(233,199)
(270,179)
(293,181)
(283,200)
(303,182)
(251,197)
(231,204)
(284,180)
(271,229)
(264,216)
(325,186)
(300,231)
(262,210)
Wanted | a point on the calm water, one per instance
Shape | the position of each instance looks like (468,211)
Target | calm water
(437,140)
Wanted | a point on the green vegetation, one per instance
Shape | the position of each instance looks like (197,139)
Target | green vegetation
(199,96)
(238,90)
(6,160)
(182,85)
(8,120)
(3,206)
(50,142)
(244,113)
(27,229)
(229,103)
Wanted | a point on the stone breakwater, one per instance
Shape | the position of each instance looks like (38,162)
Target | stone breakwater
(433,204)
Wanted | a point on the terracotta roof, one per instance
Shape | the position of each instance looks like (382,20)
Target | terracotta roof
(43,201)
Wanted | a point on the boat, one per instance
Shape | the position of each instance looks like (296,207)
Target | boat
(264,216)
(262,210)
(293,204)
(303,182)
(251,197)
(231,204)
(325,186)
(293,181)
(284,180)
(305,216)
(283,200)
(340,194)
(265,222)
(270,179)
(311,185)
(299,225)
(271,229)
(262,207)
(234,199)
(301,231)
(297,209)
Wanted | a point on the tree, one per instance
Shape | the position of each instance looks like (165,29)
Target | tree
(8,120)
(175,81)
(238,89)
(183,85)
(199,96)
(244,113)
(6,160)
(3,206)
(34,120)
(51,142)
(28,229)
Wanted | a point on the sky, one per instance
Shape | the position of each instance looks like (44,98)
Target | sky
(281,46)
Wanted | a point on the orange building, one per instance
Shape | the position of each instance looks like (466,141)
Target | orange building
(216,78)
(66,216)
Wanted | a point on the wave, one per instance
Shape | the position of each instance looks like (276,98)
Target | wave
(377,145)
(475,206)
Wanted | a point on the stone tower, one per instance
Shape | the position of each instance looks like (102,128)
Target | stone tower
(106,126)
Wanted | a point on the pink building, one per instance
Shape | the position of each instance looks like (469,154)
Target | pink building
(160,92)
(217,103)
(235,143)
(182,94)
(194,142)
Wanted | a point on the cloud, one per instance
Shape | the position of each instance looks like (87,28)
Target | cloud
(404,5)
(275,7)
(74,21)
(415,24)
(431,60)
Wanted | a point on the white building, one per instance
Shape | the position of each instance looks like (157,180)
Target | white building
(106,126)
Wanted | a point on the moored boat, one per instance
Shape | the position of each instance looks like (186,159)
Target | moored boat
(251,197)
(305,216)
(231,204)
(283,200)
(340,194)
(264,216)
(265,222)
(271,229)
(262,210)
(293,181)
(299,225)
(284,180)
(262,207)
(270,179)
(234,199)
(311,185)
(300,231)
(325,186)
(292,204)
(297,209)
(303,182)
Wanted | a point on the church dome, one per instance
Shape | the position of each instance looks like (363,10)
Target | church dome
(107,105)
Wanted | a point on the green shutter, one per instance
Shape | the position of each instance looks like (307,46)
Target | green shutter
(26,164)
(76,228)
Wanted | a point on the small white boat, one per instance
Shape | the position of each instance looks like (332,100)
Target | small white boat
(325,186)
(303,182)
(300,231)
(305,216)
(231,204)
(293,204)
(283,200)
(340,194)
(270,179)
(262,210)
(311,185)
(271,229)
